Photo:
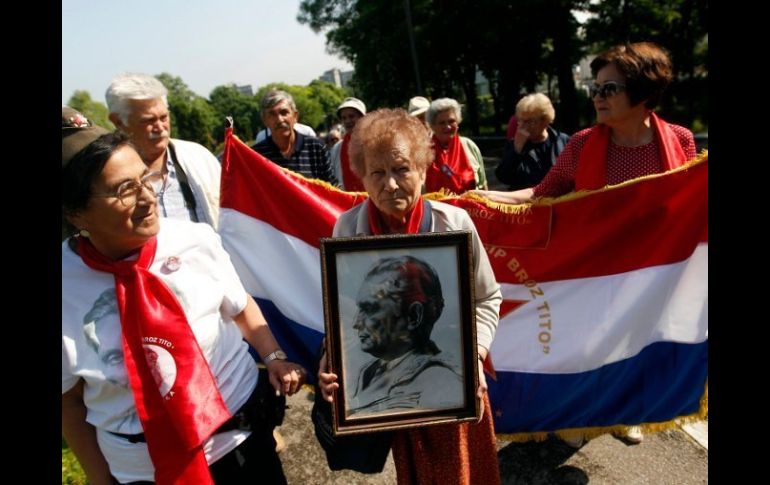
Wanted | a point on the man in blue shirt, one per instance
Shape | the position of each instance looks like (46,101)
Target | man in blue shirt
(288,148)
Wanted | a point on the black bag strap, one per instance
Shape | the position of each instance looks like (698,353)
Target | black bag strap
(187,192)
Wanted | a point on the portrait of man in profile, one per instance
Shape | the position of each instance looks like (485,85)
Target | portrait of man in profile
(397,305)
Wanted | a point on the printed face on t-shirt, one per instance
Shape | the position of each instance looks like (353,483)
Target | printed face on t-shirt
(101,328)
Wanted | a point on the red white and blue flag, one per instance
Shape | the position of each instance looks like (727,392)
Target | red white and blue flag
(605,312)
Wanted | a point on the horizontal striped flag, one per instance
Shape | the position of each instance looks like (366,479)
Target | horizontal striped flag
(604,319)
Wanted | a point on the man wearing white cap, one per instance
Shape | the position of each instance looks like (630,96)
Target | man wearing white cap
(349,112)
(418,107)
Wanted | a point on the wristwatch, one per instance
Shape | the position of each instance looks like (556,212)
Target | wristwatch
(278,354)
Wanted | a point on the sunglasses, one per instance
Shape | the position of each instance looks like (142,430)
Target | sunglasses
(606,90)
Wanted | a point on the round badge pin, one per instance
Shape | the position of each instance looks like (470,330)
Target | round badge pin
(173,263)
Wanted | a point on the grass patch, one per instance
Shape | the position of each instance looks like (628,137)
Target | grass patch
(71,471)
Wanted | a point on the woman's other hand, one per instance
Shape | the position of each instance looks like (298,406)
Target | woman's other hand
(481,389)
(327,381)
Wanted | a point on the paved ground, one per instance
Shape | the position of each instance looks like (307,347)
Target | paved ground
(668,457)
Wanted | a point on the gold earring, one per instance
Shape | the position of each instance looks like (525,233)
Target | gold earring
(84,233)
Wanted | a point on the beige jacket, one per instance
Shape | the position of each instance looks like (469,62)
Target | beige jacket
(203,173)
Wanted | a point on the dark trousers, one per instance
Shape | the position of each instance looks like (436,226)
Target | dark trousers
(254,460)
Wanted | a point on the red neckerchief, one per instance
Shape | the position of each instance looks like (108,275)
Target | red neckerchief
(591,171)
(154,326)
(450,169)
(350,180)
(380,223)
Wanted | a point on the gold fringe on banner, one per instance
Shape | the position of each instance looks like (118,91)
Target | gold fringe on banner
(702,157)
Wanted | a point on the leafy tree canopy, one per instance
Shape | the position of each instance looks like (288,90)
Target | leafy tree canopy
(192,117)
(519,45)
(681,27)
(228,101)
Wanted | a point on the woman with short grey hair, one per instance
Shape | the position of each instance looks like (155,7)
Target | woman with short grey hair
(458,165)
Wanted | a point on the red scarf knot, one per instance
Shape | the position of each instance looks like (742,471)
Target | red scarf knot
(381,223)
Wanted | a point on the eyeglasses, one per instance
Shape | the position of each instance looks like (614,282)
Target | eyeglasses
(606,90)
(128,192)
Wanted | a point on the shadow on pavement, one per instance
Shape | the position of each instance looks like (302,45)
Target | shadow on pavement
(539,463)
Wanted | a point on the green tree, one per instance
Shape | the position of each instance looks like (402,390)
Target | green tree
(372,36)
(192,117)
(93,110)
(454,39)
(329,97)
(228,101)
(681,27)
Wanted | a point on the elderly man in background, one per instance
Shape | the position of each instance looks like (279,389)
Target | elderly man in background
(349,112)
(138,105)
(287,147)
(304,129)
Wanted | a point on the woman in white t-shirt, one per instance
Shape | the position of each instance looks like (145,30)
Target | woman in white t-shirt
(157,382)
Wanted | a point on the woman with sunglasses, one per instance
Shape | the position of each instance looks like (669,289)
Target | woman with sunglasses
(629,140)
(157,382)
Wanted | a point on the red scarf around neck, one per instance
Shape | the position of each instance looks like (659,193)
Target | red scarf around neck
(450,169)
(591,171)
(381,223)
(350,180)
(154,326)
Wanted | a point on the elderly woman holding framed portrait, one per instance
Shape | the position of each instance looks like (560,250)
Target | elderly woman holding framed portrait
(157,382)
(390,153)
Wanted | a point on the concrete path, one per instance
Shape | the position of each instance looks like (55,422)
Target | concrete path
(668,457)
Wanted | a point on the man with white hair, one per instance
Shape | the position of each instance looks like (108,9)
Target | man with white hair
(138,105)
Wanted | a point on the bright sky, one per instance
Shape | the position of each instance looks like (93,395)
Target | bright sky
(206,43)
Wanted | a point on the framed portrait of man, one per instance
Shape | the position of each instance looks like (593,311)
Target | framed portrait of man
(401,330)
